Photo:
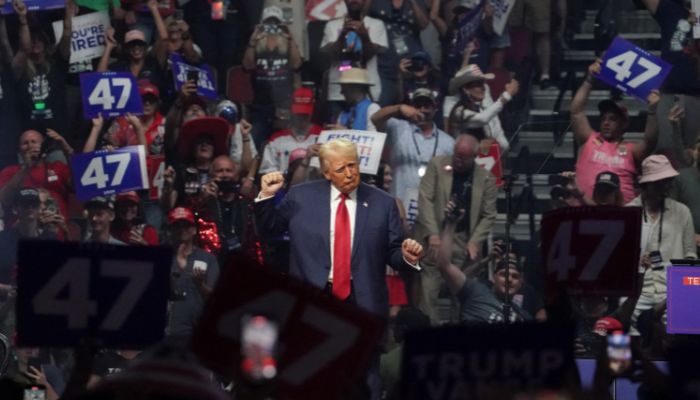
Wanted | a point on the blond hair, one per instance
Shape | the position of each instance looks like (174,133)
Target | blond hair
(337,147)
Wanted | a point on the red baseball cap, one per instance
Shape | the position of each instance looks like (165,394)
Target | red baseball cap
(303,101)
(604,326)
(128,196)
(180,214)
(146,87)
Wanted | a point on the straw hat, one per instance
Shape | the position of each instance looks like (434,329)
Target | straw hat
(468,74)
(354,76)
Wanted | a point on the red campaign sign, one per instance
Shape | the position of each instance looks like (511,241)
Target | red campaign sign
(592,250)
(323,346)
(324,10)
(491,161)
(155,166)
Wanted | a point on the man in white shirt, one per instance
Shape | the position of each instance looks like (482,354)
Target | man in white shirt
(354,41)
(301,135)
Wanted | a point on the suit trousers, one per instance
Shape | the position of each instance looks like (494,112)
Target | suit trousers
(431,282)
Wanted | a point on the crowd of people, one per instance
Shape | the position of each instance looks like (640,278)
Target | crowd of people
(236,174)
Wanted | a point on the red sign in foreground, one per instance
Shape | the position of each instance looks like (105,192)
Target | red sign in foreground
(592,250)
(324,345)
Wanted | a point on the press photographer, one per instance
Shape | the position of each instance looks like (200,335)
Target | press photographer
(225,212)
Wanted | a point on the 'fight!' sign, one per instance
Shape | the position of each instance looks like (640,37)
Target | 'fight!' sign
(369,147)
(484,361)
(632,69)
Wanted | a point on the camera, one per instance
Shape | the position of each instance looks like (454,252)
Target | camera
(272,29)
(417,65)
(227,187)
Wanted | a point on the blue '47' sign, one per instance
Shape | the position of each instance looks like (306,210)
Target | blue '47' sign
(103,173)
(633,70)
(69,292)
(110,94)
(206,86)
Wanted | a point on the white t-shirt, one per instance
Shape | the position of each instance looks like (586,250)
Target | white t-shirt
(280,147)
(378,36)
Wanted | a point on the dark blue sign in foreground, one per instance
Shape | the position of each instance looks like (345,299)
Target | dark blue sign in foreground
(35,5)
(104,173)
(632,69)
(68,292)
(461,361)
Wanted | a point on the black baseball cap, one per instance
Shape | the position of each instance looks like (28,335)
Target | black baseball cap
(100,202)
(27,196)
(615,107)
(607,179)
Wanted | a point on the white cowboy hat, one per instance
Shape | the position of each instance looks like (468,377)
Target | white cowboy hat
(468,74)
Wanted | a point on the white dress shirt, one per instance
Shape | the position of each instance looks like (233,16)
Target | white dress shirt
(351,205)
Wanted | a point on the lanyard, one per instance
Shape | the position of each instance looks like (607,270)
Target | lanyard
(661,221)
(415,143)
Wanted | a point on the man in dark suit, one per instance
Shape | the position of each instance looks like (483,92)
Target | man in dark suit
(342,232)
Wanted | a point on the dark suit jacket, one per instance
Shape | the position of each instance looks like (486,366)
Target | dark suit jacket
(305,212)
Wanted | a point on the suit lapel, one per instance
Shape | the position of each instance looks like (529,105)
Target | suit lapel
(324,218)
(361,213)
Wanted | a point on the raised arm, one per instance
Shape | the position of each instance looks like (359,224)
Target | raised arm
(19,63)
(651,5)
(6,53)
(160,48)
(64,45)
(453,275)
(380,118)
(579,121)
(436,19)
(421,18)
(91,142)
(110,44)
(646,146)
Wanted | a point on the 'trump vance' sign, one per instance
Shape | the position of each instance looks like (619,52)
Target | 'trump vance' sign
(484,361)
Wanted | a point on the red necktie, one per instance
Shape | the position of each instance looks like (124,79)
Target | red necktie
(341,251)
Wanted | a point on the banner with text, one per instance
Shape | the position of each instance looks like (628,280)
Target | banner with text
(632,69)
(87,39)
(34,5)
(110,94)
(206,86)
(496,360)
(683,297)
(369,147)
(104,173)
(467,27)
(501,12)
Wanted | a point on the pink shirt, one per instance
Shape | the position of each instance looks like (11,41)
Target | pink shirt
(598,155)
